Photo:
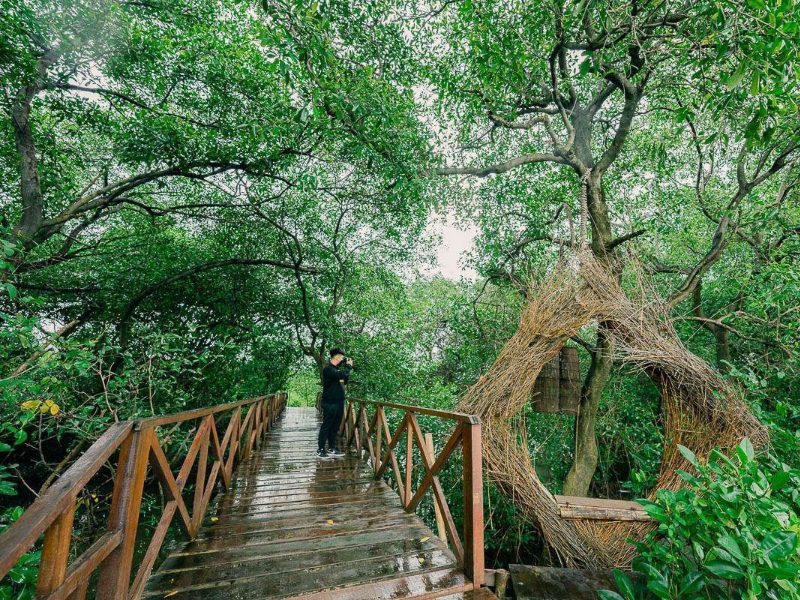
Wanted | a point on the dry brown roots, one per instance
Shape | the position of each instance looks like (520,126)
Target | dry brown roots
(700,410)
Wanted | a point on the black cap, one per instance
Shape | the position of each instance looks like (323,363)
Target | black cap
(335,351)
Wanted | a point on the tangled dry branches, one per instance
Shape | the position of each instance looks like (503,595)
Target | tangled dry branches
(701,410)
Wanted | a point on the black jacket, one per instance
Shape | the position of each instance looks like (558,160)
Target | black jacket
(333,380)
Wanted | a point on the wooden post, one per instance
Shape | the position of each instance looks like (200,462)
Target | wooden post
(55,553)
(200,480)
(378,456)
(409,462)
(473,503)
(80,592)
(439,520)
(233,445)
(115,573)
(257,424)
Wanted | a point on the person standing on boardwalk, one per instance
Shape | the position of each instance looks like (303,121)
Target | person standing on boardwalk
(334,377)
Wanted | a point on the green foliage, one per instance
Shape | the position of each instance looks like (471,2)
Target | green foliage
(180,143)
(22,576)
(732,533)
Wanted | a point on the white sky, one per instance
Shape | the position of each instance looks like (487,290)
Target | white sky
(456,242)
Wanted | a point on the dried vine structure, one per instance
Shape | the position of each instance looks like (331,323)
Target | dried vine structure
(700,410)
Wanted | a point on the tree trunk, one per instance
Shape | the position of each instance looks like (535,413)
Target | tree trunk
(584,464)
(723,349)
(720,333)
(30,186)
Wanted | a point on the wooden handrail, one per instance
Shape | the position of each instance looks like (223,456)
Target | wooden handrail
(373,439)
(188,415)
(112,554)
(22,534)
(422,410)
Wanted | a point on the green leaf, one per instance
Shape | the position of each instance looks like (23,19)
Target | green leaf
(725,569)
(659,589)
(692,583)
(688,455)
(784,571)
(755,83)
(737,76)
(745,451)
(624,584)
(730,545)
(780,544)
(609,595)
(779,480)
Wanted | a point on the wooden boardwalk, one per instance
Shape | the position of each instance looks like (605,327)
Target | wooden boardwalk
(292,526)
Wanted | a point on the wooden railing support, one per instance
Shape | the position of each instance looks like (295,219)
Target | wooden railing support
(115,572)
(440,531)
(473,503)
(55,553)
(358,429)
(52,514)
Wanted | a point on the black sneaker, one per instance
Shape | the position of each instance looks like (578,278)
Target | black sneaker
(322,455)
(336,453)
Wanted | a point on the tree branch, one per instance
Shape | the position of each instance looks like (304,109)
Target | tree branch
(498,168)
(123,325)
(624,238)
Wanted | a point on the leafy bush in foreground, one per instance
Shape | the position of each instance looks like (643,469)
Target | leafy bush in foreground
(732,533)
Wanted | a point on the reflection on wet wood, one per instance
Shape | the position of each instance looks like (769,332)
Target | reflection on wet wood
(294,527)
(545,583)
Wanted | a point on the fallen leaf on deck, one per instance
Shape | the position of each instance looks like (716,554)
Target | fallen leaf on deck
(425,539)
(214,519)
(330,521)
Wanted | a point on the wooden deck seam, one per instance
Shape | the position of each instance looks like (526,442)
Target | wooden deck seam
(434,541)
(392,526)
(439,567)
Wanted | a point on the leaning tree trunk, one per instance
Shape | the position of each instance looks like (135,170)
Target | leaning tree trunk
(584,463)
(30,185)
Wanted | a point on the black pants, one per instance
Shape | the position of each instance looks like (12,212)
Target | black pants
(332,413)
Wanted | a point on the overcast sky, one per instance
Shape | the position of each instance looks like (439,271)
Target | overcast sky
(456,244)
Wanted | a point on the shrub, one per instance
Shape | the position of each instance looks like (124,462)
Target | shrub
(732,533)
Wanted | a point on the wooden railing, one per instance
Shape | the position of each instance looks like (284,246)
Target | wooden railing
(138,443)
(371,434)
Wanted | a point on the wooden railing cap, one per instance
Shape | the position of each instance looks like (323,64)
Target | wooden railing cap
(443,414)
(24,532)
(188,415)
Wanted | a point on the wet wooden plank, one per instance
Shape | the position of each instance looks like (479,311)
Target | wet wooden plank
(302,582)
(479,594)
(294,526)
(600,509)
(420,587)
(189,560)
(545,583)
(310,534)
(371,516)
(312,558)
